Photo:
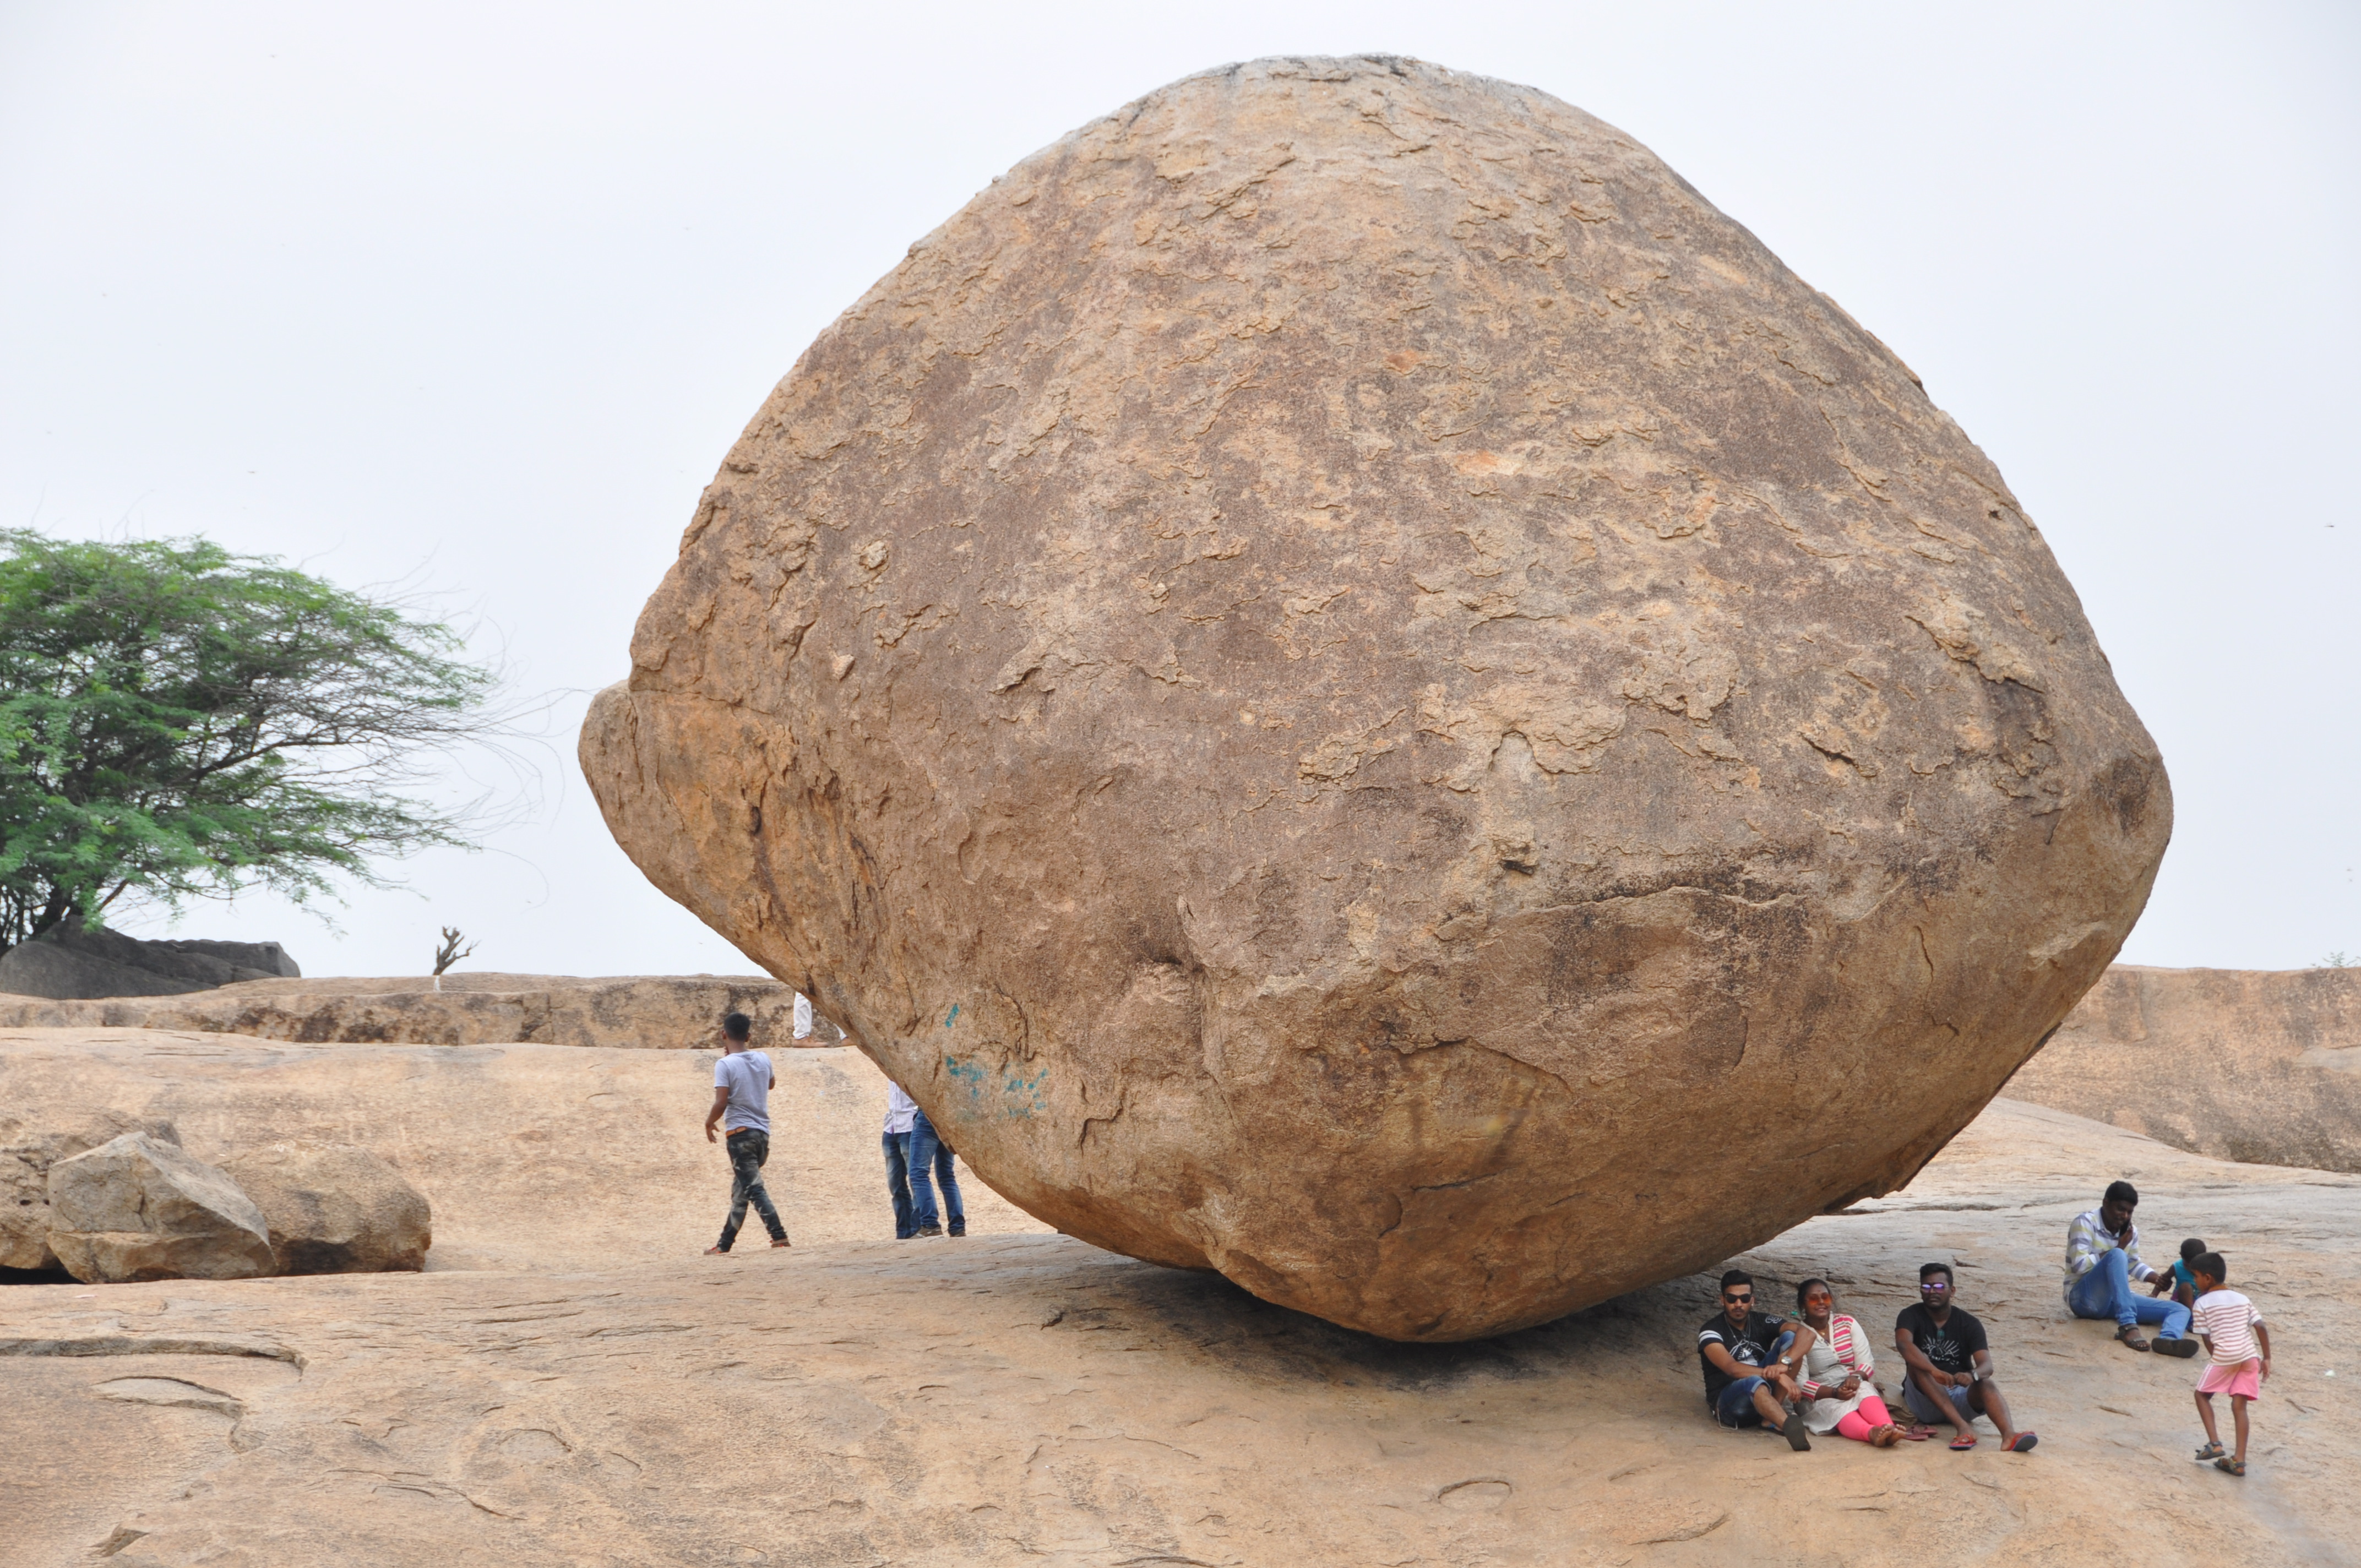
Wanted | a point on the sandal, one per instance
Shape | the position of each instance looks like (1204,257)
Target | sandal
(2022,1443)
(2132,1338)
(717,1252)
(2231,1466)
(2210,1452)
(1918,1434)
(1964,1441)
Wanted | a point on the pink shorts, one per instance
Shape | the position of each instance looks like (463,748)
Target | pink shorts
(2243,1381)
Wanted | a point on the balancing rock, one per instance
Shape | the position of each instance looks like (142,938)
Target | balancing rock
(1351,685)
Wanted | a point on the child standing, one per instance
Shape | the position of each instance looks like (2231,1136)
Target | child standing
(2240,1347)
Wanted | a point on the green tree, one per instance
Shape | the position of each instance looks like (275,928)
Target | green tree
(178,721)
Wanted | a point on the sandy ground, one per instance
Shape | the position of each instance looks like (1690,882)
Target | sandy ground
(585,1388)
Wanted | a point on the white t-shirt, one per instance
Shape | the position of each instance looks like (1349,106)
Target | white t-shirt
(747,1076)
(2227,1319)
(901,1110)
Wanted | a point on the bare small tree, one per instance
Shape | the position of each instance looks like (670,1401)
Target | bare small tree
(450,952)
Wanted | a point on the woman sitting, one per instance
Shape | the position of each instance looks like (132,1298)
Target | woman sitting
(1838,1395)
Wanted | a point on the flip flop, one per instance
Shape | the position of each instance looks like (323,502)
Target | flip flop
(1918,1434)
(2231,1466)
(2183,1347)
(717,1252)
(2024,1443)
(1963,1443)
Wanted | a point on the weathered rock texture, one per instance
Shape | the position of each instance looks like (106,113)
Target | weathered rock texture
(1351,684)
(139,1208)
(35,1137)
(653,1012)
(2241,1064)
(334,1208)
(68,964)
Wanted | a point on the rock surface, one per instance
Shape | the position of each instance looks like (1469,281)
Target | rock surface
(32,1139)
(2244,1064)
(1352,684)
(1024,1398)
(138,1207)
(334,1208)
(63,964)
(653,1011)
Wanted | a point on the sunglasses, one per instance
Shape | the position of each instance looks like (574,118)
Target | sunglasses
(1937,1286)
(1728,1297)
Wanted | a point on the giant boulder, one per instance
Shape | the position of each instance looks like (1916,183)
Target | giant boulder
(138,1207)
(1351,685)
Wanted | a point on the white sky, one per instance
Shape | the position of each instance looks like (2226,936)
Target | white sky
(488,289)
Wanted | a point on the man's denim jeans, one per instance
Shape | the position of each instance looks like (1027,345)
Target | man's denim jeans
(1734,1406)
(748,1150)
(929,1153)
(898,1183)
(2106,1292)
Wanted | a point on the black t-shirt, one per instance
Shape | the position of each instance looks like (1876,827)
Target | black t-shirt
(1748,1346)
(1951,1347)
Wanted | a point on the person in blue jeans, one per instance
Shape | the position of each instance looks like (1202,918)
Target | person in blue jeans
(929,1154)
(901,1121)
(2103,1261)
(1749,1366)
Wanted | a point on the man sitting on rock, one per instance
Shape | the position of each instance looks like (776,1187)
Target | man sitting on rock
(1947,1363)
(1748,1380)
(2102,1259)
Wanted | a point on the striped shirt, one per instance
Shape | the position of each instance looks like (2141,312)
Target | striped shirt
(2227,1321)
(2087,1240)
(1851,1347)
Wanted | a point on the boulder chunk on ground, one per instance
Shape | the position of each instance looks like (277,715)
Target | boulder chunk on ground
(138,1207)
(334,1208)
(30,1146)
(1351,685)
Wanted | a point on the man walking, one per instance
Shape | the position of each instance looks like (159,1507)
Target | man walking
(900,1120)
(2102,1259)
(743,1082)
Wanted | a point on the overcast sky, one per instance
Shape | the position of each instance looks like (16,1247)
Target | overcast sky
(477,295)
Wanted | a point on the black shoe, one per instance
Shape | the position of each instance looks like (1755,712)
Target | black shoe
(1798,1436)
(960,1230)
(930,1230)
(2181,1347)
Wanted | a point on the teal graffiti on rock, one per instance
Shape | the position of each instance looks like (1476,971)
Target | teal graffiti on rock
(1019,1096)
(954,1016)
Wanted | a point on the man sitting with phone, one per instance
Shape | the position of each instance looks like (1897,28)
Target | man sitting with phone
(1750,1364)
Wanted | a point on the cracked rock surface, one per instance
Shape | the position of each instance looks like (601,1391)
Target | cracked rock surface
(1354,686)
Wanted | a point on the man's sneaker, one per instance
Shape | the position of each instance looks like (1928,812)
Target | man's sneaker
(958,1230)
(930,1230)
(2182,1347)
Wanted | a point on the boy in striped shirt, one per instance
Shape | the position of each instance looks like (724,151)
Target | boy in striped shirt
(2240,1346)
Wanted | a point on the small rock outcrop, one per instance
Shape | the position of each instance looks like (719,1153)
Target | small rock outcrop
(31,1141)
(138,1207)
(65,965)
(635,1012)
(334,1208)
(1351,685)
(2262,1066)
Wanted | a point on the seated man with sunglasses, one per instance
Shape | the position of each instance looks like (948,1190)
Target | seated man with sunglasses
(1750,1364)
(1948,1366)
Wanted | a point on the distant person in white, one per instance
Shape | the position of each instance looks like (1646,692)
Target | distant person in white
(743,1082)
(901,1117)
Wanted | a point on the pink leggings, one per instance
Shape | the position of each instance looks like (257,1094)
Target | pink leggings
(1859,1423)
